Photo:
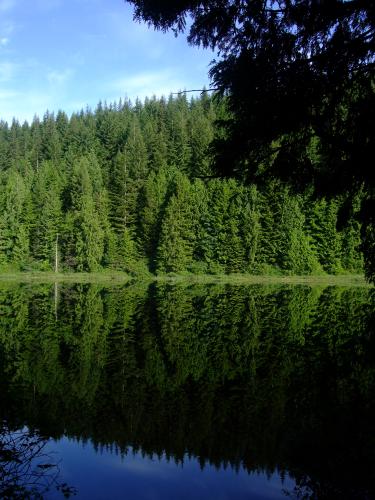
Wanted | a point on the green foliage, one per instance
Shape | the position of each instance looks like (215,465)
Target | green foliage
(130,187)
(325,238)
(298,79)
(176,243)
(16,218)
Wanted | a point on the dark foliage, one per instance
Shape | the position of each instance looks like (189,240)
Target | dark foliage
(298,75)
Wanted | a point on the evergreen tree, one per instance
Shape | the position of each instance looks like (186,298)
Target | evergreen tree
(47,211)
(201,135)
(294,253)
(16,212)
(50,139)
(84,241)
(250,228)
(325,239)
(112,185)
(178,148)
(152,207)
(176,243)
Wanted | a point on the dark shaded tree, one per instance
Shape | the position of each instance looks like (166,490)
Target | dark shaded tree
(298,77)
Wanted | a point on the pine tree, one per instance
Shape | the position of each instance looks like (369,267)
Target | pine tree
(50,140)
(176,244)
(250,228)
(178,148)
(295,252)
(16,218)
(201,134)
(325,239)
(153,199)
(47,204)
(84,241)
(227,251)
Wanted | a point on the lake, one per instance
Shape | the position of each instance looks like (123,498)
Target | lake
(165,391)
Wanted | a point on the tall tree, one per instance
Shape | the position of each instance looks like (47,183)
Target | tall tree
(176,243)
(291,71)
(16,218)
(83,236)
(47,204)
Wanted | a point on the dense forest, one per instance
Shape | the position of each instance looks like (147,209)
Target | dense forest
(131,187)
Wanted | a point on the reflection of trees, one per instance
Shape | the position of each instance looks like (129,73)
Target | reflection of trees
(26,469)
(266,378)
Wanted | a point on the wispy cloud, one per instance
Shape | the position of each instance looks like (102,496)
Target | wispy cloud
(59,77)
(134,36)
(6,5)
(24,105)
(4,41)
(147,84)
(7,71)
(6,94)
(48,5)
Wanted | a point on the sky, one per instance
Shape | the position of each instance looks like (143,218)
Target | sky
(70,54)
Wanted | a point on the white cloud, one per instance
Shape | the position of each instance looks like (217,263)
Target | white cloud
(7,71)
(7,94)
(137,36)
(24,105)
(147,84)
(6,5)
(7,28)
(59,77)
(47,5)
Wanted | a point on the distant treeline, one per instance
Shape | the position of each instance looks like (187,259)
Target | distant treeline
(131,187)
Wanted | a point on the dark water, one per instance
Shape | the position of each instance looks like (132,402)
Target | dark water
(204,392)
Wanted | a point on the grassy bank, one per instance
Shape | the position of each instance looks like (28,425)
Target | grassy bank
(116,277)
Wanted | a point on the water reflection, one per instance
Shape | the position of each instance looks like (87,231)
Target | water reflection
(275,380)
(27,469)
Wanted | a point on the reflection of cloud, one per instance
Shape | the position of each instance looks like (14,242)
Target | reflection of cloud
(148,467)
(147,84)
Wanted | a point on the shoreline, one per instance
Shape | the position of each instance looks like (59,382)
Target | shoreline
(118,277)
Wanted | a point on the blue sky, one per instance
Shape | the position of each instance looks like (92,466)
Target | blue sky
(69,54)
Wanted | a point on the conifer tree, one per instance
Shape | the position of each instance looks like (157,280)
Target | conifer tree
(294,253)
(201,135)
(16,214)
(153,199)
(85,241)
(50,139)
(250,228)
(178,148)
(176,244)
(325,239)
(48,212)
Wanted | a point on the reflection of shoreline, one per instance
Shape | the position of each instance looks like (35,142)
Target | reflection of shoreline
(237,376)
(105,472)
(26,470)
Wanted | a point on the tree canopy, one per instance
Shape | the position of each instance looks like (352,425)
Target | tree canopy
(298,78)
(130,187)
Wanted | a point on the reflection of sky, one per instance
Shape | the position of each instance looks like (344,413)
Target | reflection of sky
(105,475)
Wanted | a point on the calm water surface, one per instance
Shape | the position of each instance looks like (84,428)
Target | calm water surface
(176,391)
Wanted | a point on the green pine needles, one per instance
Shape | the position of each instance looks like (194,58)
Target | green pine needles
(132,188)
